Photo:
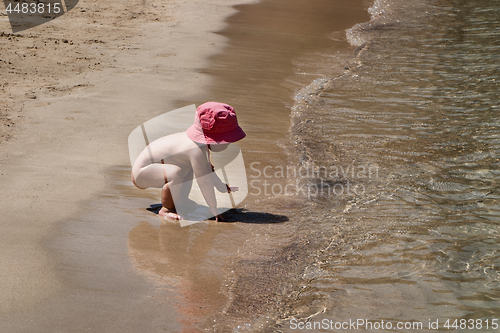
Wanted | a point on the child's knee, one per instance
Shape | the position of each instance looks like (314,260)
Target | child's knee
(133,181)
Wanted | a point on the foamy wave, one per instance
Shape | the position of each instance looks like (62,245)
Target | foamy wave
(380,11)
(354,35)
(307,94)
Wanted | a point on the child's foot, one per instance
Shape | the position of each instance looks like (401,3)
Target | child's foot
(171,214)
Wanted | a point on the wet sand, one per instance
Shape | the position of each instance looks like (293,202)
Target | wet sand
(78,249)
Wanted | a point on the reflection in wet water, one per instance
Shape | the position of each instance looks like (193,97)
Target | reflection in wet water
(196,261)
(179,257)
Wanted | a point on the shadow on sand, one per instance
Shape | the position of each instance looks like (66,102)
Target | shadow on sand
(241,215)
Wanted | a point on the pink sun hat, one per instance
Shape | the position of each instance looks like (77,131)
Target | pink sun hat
(215,123)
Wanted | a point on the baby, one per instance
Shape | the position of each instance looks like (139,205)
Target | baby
(172,161)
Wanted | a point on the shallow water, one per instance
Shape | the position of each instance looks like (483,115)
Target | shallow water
(418,104)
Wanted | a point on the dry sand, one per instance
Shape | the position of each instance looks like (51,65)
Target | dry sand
(78,251)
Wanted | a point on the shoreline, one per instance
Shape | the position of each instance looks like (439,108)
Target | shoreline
(86,259)
(268,59)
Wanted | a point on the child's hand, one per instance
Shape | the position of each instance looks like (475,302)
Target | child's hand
(232,188)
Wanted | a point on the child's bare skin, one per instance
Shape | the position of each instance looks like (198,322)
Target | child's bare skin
(172,162)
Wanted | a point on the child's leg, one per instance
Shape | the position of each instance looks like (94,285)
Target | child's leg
(166,199)
(167,202)
(180,203)
(149,176)
(172,191)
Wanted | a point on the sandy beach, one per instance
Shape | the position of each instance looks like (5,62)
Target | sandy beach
(78,250)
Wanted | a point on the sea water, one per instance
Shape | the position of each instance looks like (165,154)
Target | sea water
(411,128)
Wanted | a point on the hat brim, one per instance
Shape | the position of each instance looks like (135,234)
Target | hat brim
(197,135)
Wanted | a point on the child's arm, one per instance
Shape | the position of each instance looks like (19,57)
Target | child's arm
(218,183)
(207,179)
